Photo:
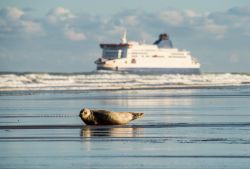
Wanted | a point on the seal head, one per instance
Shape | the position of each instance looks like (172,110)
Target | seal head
(87,116)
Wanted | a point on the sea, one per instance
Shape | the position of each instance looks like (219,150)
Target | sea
(190,121)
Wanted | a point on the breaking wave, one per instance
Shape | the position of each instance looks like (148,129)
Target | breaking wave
(103,80)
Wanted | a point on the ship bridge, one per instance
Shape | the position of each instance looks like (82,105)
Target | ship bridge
(114,51)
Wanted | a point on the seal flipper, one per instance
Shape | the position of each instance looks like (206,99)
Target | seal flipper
(137,115)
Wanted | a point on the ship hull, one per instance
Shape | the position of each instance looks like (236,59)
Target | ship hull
(155,70)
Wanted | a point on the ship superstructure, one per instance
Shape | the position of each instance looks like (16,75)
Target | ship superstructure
(159,57)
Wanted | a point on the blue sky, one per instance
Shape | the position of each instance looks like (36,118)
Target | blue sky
(64,36)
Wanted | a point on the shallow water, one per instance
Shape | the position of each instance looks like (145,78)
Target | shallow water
(108,80)
(182,128)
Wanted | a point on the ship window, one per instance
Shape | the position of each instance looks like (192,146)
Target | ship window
(113,54)
(158,56)
(133,61)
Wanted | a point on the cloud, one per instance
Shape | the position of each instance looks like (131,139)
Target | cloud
(74,36)
(59,14)
(32,27)
(237,19)
(117,30)
(139,23)
(211,27)
(131,20)
(242,11)
(13,13)
(172,17)
(14,21)
(190,20)
(220,32)
(62,20)
(190,13)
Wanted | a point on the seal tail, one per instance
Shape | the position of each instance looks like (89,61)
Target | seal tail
(137,115)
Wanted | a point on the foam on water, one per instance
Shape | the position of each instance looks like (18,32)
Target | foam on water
(116,81)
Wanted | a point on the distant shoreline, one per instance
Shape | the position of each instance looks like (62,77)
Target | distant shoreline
(96,71)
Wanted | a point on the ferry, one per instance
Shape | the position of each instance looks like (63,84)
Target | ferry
(159,57)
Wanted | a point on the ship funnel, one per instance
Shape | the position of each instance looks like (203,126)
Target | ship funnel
(163,36)
(164,41)
(124,37)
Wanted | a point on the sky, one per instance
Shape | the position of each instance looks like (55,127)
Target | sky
(64,36)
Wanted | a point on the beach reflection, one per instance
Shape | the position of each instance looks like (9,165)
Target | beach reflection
(159,102)
(158,98)
(112,132)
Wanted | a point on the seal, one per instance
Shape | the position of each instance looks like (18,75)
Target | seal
(104,117)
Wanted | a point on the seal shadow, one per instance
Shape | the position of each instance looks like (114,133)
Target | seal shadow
(111,131)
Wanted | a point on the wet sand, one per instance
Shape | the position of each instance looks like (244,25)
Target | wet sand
(192,128)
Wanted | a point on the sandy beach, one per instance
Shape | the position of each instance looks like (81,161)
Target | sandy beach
(187,128)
